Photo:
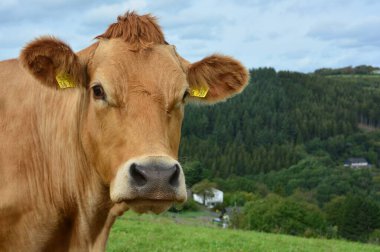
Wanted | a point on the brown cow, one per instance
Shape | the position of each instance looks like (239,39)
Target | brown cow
(72,159)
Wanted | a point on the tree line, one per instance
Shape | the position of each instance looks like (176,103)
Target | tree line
(362,69)
(283,141)
(277,117)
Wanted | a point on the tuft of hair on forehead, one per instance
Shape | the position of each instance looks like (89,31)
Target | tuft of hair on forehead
(140,32)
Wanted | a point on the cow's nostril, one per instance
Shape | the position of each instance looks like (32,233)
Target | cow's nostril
(174,179)
(137,175)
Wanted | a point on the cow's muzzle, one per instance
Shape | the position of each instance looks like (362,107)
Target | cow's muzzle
(149,184)
(154,180)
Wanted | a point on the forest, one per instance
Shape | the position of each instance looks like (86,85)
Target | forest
(283,142)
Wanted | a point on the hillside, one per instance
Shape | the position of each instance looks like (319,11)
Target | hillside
(278,152)
(271,124)
(132,232)
(282,120)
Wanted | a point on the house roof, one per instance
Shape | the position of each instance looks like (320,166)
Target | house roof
(216,190)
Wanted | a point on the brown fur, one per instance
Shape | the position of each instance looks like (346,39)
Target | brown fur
(223,75)
(46,57)
(140,32)
(64,154)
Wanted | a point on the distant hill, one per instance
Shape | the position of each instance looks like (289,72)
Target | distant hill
(269,126)
(362,70)
(289,135)
(291,124)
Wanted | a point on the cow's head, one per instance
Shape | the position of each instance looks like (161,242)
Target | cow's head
(134,88)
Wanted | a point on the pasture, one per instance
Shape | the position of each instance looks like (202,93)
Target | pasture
(186,232)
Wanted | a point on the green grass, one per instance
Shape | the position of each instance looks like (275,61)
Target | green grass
(133,232)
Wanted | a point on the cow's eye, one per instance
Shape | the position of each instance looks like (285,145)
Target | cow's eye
(185,95)
(98,92)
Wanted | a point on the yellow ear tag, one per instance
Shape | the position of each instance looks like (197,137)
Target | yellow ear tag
(64,81)
(199,92)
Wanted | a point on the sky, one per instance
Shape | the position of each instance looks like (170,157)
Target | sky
(295,35)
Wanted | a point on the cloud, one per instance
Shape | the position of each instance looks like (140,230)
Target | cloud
(34,11)
(286,34)
(362,34)
(107,13)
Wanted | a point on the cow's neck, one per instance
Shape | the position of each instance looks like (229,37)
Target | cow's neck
(71,190)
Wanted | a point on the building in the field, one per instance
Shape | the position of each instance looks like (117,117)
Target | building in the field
(209,201)
(356,163)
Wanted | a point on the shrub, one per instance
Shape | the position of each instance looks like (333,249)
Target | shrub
(360,217)
(374,237)
(284,215)
(239,198)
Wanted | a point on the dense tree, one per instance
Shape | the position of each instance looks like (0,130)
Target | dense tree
(334,210)
(289,133)
(193,172)
(284,215)
(239,198)
(263,129)
(362,69)
(360,218)
(204,188)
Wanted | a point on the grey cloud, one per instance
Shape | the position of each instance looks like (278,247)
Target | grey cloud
(107,13)
(363,34)
(19,11)
(296,54)
(287,34)
(197,29)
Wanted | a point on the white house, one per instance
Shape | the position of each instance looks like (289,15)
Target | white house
(356,163)
(210,201)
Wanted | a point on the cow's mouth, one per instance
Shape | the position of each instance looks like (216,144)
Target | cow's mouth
(149,205)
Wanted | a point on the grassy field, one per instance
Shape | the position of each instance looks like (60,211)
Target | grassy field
(190,232)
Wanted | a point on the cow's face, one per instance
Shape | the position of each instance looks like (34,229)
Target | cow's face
(132,109)
(132,126)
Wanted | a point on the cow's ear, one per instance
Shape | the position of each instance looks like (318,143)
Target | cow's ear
(216,78)
(53,63)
